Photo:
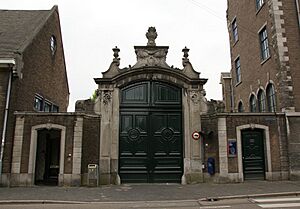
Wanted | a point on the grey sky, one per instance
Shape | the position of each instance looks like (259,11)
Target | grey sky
(91,28)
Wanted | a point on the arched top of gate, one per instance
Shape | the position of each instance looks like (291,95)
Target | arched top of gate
(151,65)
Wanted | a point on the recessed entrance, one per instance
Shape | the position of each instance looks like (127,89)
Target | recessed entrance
(47,157)
(150,133)
(253,154)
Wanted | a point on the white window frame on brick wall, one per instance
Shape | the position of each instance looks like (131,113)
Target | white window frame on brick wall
(264,44)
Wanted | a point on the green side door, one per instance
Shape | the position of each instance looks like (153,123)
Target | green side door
(253,155)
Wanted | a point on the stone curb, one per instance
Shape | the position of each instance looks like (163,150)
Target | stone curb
(21,202)
(296,193)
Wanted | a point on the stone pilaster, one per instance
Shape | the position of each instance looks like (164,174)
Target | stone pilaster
(77,150)
(193,148)
(105,105)
(223,155)
(17,152)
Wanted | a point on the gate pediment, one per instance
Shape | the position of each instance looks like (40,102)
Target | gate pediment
(151,65)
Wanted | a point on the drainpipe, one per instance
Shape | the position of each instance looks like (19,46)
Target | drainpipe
(10,64)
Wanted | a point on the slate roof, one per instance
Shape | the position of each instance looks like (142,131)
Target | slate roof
(19,27)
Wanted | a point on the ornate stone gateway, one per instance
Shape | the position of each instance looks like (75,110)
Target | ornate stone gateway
(148,114)
(150,133)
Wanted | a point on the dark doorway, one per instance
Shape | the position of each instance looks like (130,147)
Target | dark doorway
(150,148)
(47,157)
(253,155)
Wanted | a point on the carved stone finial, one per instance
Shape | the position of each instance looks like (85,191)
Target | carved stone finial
(185,58)
(151,36)
(185,51)
(116,59)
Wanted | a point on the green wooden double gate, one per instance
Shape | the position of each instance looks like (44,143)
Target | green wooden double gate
(150,148)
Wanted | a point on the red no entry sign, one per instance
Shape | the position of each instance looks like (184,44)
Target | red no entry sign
(196,135)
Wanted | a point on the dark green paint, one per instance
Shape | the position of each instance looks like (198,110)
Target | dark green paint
(253,155)
(150,133)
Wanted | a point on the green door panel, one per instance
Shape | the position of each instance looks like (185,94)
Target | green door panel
(253,155)
(166,147)
(150,147)
(133,147)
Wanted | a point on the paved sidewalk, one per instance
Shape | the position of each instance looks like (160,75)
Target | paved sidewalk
(146,192)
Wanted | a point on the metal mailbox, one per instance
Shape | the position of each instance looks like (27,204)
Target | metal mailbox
(93,175)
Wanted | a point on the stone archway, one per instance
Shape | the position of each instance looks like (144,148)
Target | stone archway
(151,66)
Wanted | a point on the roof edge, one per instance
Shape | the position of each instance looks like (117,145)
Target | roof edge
(28,41)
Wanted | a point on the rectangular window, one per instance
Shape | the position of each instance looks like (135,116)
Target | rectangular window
(264,46)
(38,103)
(47,106)
(238,70)
(234,31)
(54,108)
(259,4)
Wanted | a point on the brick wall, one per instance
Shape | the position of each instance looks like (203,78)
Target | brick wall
(42,74)
(32,120)
(282,68)
(277,139)
(292,33)
(277,133)
(90,143)
(209,125)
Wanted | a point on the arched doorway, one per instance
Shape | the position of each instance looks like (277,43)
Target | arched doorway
(150,136)
(47,156)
